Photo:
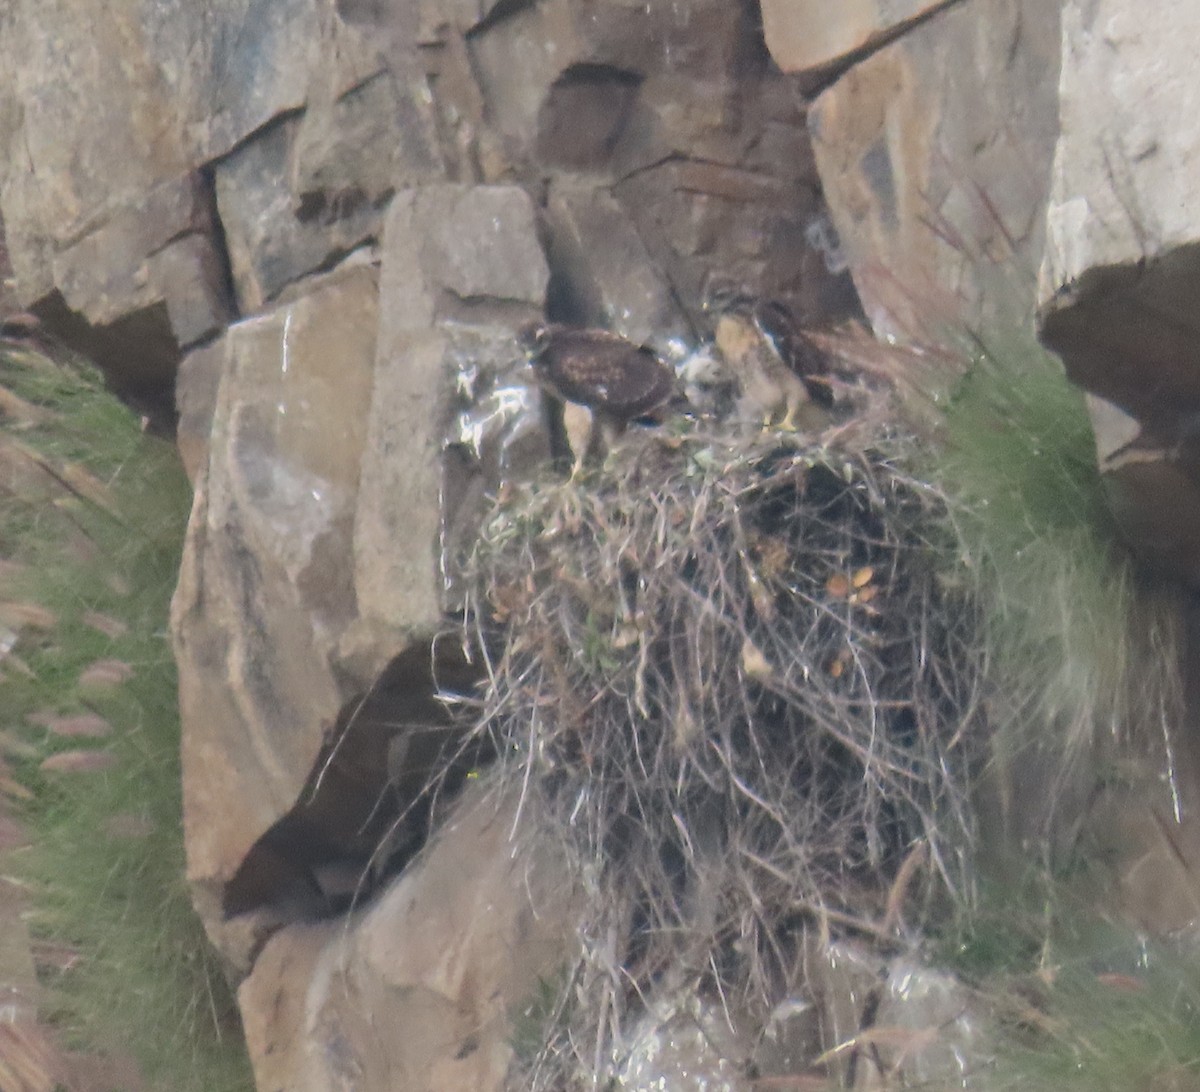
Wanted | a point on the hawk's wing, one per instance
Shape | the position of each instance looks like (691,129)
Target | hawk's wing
(794,348)
(604,371)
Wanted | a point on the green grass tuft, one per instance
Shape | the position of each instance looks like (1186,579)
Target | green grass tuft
(101,545)
(1082,654)
(1076,1003)
(1078,648)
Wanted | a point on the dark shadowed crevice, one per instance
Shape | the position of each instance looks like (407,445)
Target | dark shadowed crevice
(361,12)
(501,10)
(753,58)
(562,301)
(137,354)
(584,114)
(371,800)
(813,83)
(220,245)
(270,125)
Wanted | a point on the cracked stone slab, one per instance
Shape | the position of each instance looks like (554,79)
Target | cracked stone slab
(421,990)
(916,147)
(265,589)
(1122,265)
(470,254)
(811,36)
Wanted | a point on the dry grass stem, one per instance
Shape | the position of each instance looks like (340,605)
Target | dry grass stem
(728,671)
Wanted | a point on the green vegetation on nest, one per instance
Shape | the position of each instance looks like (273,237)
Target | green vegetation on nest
(93,511)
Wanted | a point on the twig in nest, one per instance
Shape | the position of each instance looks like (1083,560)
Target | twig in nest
(733,683)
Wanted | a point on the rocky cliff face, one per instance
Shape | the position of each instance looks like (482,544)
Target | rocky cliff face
(317,224)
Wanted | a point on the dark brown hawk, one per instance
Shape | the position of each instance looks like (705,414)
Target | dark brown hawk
(614,379)
(777,367)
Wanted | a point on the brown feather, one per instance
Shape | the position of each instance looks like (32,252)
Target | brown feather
(598,369)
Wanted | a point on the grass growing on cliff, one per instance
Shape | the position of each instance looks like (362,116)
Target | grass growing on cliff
(1083,659)
(92,513)
(1082,650)
(1073,1002)
(1020,460)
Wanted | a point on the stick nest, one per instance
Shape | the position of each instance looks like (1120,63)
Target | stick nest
(729,675)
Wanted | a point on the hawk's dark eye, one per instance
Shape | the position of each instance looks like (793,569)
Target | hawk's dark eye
(723,295)
(534,337)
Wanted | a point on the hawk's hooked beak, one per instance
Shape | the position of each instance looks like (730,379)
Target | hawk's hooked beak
(534,337)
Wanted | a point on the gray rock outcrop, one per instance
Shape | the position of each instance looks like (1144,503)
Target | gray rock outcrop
(308,230)
(322,224)
(1120,272)
(425,989)
(935,155)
